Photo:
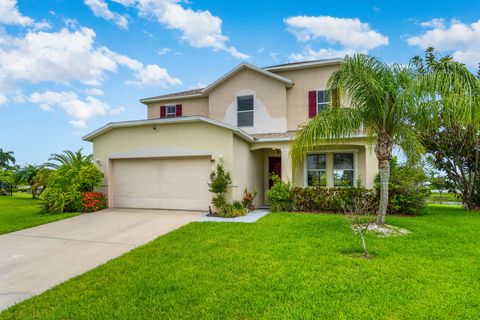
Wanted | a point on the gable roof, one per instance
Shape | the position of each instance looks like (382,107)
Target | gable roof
(244,65)
(196,93)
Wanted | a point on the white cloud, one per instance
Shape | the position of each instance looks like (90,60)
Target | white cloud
(198,85)
(3,99)
(79,110)
(9,14)
(434,23)
(154,76)
(310,54)
(164,51)
(199,28)
(101,10)
(64,56)
(350,33)
(460,39)
(93,91)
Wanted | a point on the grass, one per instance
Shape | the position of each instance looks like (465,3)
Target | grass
(20,211)
(444,197)
(284,266)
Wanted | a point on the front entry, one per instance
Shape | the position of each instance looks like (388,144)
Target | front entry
(274,167)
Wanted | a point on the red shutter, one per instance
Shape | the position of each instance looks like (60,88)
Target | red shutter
(312,104)
(178,110)
(163,112)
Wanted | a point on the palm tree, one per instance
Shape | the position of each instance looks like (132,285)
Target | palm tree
(6,157)
(387,102)
(74,159)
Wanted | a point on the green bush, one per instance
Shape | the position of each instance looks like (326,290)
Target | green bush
(66,185)
(408,191)
(248,198)
(219,182)
(338,200)
(232,210)
(278,195)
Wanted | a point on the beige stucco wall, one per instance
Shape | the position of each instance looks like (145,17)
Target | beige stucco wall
(269,104)
(297,97)
(197,136)
(247,171)
(190,107)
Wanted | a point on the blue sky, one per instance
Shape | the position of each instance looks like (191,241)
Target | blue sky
(70,66)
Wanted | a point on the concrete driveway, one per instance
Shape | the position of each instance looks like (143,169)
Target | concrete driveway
(36,259)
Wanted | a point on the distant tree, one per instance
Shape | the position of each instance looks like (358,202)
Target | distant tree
(6,158)
(456,152)
(70,158)
(27,174)
(452,146)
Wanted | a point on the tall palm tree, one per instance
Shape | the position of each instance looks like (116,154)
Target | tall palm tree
(74,159)
(385,102)
(6,157)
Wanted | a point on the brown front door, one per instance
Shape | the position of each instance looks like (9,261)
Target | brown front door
(274,167)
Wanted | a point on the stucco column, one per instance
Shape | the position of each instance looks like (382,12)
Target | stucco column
(287,172)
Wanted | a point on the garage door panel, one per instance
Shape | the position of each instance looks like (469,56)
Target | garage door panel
(173,183)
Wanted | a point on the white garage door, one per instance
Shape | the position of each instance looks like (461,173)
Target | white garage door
(166,183)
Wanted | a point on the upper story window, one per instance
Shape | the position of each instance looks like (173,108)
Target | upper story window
(343,169)
(317,170)
(323,100)
(245,111)
(318,100)
(171,111)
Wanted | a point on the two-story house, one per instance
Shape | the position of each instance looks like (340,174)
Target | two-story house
(247,119)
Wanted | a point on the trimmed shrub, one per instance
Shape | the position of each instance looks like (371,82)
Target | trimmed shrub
(278,195)
(337,200)
(232,210)
(219,182)
(93,201)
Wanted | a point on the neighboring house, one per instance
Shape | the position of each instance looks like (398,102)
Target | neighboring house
(247,119)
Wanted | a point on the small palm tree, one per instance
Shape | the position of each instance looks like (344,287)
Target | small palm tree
(74,159)
(6,158)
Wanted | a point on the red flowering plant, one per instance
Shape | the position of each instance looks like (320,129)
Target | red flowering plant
(93,201)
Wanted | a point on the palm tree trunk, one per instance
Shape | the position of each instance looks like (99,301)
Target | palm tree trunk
(384,168)
(383,150)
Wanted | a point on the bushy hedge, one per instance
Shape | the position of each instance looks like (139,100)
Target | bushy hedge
(407,194)
(283,197)
(66,185)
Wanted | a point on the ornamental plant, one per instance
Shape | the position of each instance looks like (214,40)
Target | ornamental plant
(93,201)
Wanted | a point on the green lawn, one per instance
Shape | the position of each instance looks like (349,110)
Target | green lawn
(444,197)
(20,211)
(287,266)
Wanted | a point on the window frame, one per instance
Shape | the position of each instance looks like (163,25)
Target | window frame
(307,170)
(325,103)
(330,166)
(170,114)
(246,111)
(350,170)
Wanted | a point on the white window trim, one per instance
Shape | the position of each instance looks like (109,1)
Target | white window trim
(170,115)
(355,165)
(324,104)
(306,168)
(245,111)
